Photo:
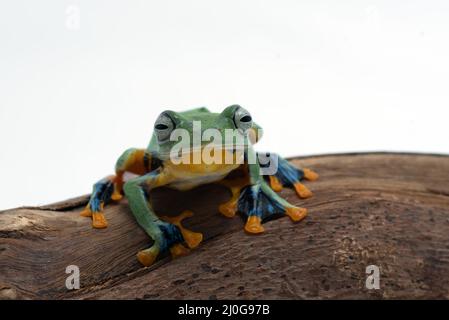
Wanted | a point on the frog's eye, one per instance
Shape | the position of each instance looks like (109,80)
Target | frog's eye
(163,127)
(243,120)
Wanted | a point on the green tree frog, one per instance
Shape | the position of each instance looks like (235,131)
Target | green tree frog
(193,148)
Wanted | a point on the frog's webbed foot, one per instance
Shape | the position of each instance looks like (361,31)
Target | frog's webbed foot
(310,174)
(192,239)
(235,185)
(103,191)
(259,202)
(289,176)
(229,208)
(148,256)
(171,236)
(254,225)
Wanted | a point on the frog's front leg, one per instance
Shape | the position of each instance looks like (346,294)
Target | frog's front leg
(101,194)
(135,161)
(168,234)
(258,201)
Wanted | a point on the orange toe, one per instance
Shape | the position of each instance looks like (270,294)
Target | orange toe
(98,220)
(192,239)
(147,256)
(296,214)
(310,175)
(228,209)
(253,225)
(178,250)
(275,184)
(302,190)
(86,212)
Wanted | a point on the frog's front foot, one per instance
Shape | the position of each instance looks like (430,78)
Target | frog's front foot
(148,256)
(192,239)
(296,213)
(259,202)
(98,219)
(254,225)
(103,191)
(172,237)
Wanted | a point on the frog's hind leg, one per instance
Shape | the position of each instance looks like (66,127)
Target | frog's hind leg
(235,185)
(101,195)
(289,176)
(259,202)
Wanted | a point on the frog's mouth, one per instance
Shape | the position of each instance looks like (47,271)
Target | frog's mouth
(209,154)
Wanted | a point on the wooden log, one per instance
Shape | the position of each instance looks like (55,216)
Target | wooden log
(388,210)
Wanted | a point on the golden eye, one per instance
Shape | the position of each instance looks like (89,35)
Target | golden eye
(163,128)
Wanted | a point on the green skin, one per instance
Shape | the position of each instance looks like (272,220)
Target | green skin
(163,172)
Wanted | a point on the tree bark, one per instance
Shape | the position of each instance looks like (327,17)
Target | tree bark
(387,210)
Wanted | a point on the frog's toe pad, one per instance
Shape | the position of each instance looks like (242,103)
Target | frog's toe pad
(302,191)
(296,214)
(178,250)
(98,220)
(192,239)
(148,256)
(310,175)
(86,212)
(275,184)
(254,225)
(228,209)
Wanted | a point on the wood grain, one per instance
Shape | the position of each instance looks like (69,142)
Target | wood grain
(390,210)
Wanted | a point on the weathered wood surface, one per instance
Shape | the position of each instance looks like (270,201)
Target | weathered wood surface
(390,210)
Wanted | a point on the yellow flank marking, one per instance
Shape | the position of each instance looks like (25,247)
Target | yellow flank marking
(135,163)
(118,186)
(192,170)
(296,214)
(253,225)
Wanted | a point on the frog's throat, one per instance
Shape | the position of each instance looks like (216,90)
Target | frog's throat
(184,151)
(185,176)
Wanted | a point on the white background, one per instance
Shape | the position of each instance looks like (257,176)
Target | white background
(319,76)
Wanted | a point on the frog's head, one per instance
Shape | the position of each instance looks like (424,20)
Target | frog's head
(231,130)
